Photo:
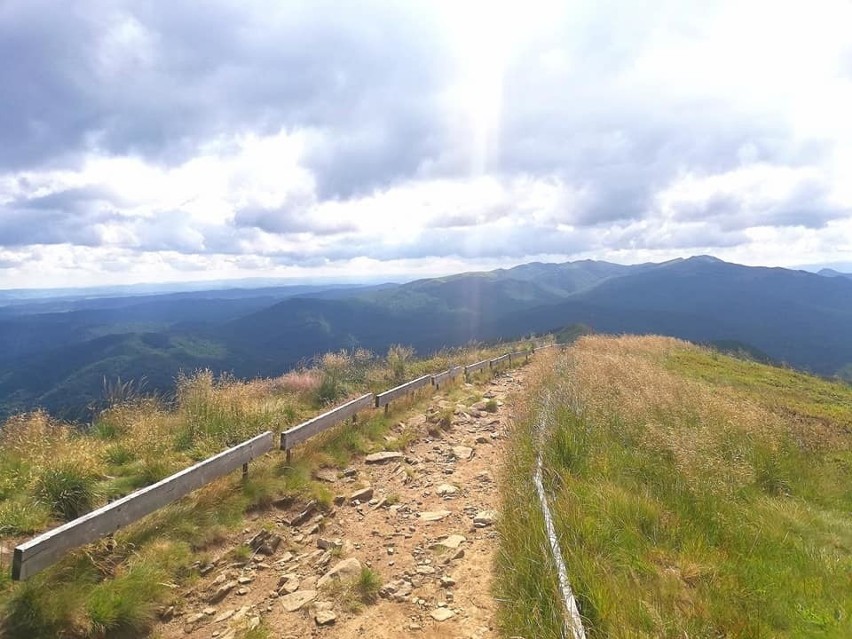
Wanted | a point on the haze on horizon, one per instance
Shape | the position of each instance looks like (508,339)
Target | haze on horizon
(164,142)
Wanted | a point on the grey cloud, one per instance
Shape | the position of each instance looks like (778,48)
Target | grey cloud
(72,216)
(808,206)
(467,243)
(358,72)
(294,216)
(465,219)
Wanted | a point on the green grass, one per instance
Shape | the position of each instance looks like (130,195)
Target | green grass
(694,495)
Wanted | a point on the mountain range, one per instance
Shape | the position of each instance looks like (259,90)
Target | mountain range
(58,352)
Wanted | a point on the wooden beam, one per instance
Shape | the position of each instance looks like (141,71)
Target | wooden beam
(478,366)
(46,549)
(499,360)
(440,378)
(303,431)
(383,399)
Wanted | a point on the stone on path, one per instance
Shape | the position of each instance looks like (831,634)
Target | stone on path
(328,475)
(442,614)
(436,515)
(383,457)
(221,592)
(348,568)
(484,518)
(446,490)
(294,601)
(325,617)
(451,543)
(462,452)
(362,496)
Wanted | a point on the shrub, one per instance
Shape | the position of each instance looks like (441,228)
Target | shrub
(398,358)
(67,489)
(334,368)
(491,406)
(368,585)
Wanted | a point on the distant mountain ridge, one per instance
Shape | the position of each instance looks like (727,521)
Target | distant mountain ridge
(796,317)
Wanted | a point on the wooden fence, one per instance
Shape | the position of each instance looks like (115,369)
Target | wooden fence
(473,368)
(46,549)
(499,360)
(446,376)
(40,552)
(305,430)
(383,399)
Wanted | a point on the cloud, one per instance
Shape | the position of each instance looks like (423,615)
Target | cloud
(314,133)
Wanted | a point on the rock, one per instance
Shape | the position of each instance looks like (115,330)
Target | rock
(329,544)
(209,611)
(425,570)
(221,592)
(224,616)
(328,475)
(348,568)
(484,518)
(462,452)
(448,582)
(261,539)
(442,614)
(339,500)
(397,590)
(294,601)
(289,585)
(361,496)
(303,516)
(247,579)
(193,619)
(446,490)
(436,515)
(451,543)
(383,457)
(324,617)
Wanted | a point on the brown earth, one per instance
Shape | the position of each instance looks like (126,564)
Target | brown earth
(430,588)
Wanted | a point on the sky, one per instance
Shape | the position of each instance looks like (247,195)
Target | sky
(180,141)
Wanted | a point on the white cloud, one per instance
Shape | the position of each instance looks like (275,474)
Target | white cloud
(266,139)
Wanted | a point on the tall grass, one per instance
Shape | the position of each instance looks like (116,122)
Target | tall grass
(687,505)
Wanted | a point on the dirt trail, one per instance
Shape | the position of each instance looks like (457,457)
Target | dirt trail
(436,575)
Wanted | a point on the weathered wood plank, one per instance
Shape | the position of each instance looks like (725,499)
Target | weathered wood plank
(455,371)
(499,360)
(478,366)
(519,355)
(541,348)
(440,378)
(383,399)
(307,429)
(46,549)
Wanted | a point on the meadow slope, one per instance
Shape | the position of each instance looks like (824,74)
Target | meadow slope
(695,495)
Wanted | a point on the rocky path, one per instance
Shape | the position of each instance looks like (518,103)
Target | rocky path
(421,520)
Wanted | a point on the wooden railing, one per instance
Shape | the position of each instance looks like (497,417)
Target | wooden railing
(46,549)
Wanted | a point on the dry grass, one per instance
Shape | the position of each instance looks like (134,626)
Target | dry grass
(691,498)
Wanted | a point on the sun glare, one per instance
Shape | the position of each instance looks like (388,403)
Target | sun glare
(486,35)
